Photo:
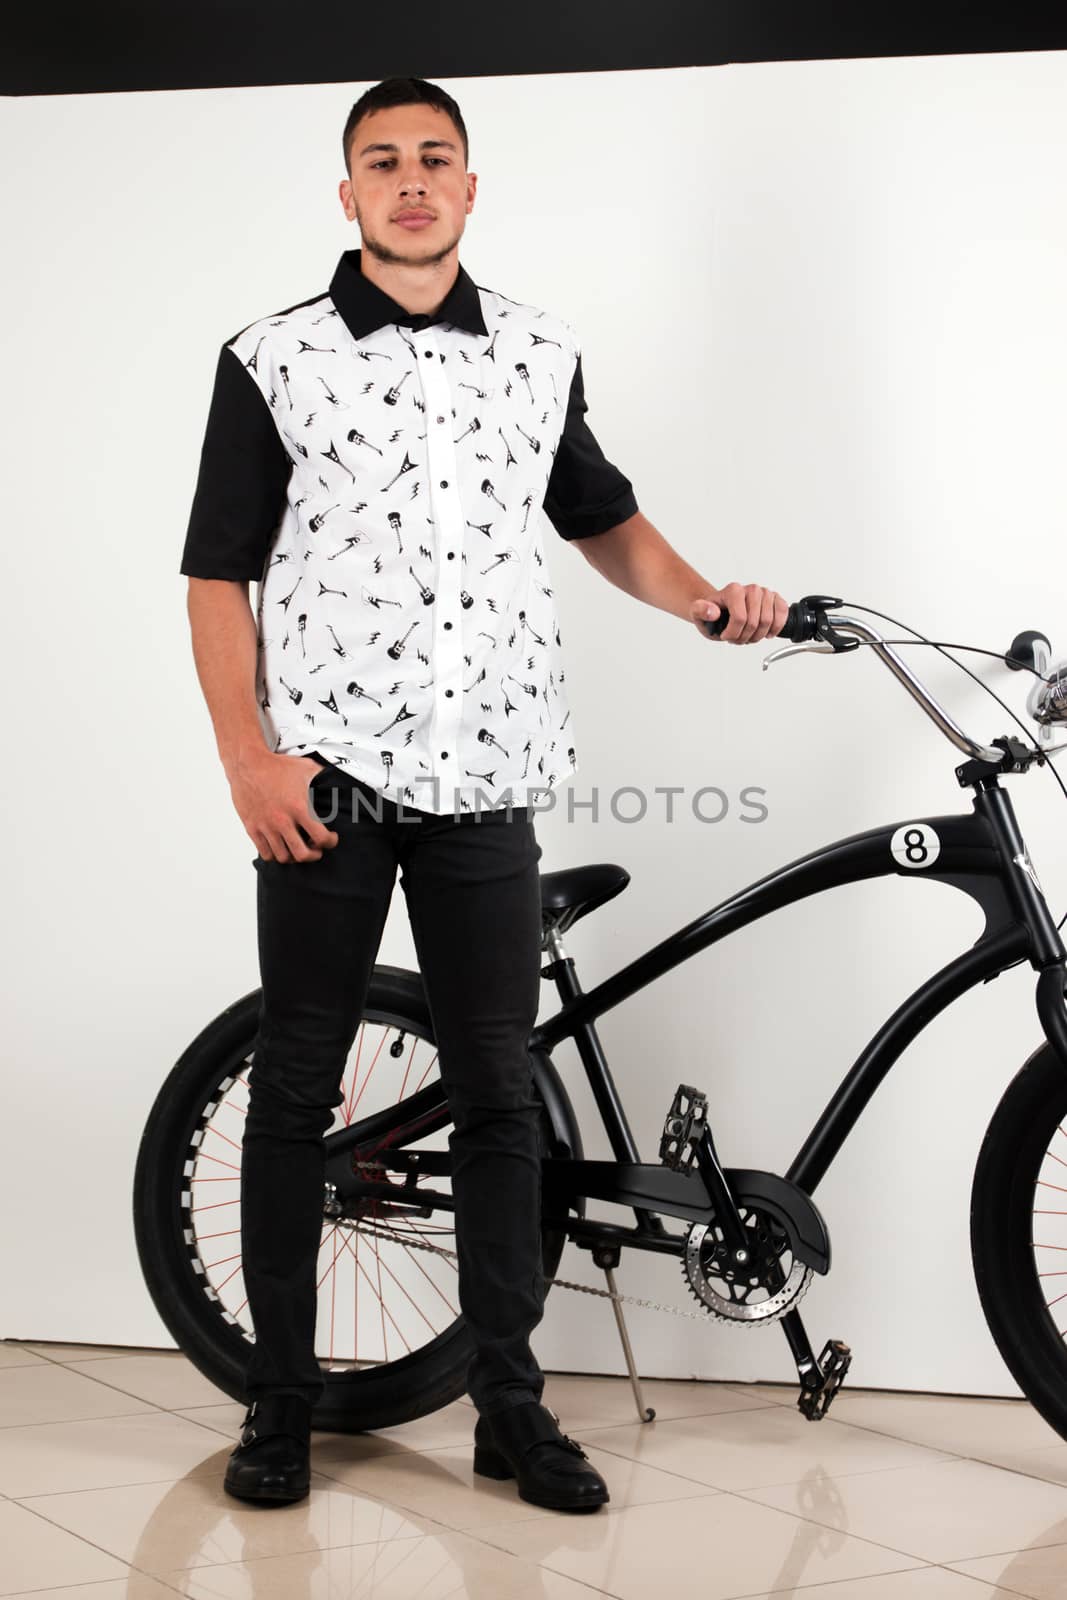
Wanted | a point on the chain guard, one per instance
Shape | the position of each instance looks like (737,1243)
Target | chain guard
(783,1251)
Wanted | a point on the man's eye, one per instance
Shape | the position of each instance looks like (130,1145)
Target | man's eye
(389,161)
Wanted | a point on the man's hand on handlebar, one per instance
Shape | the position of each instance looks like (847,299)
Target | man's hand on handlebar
(755,613)
(272,796)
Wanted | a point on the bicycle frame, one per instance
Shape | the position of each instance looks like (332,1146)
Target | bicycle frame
(981,853)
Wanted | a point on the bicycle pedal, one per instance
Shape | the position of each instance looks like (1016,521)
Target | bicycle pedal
(833,1364)
(682,1127)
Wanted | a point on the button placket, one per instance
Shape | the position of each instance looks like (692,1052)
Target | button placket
(448,514)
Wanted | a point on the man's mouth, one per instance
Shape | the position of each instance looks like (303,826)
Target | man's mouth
(414,219)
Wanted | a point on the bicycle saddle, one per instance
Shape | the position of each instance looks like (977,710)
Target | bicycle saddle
(570,894)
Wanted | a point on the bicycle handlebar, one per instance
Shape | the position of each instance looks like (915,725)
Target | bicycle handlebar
(807,620)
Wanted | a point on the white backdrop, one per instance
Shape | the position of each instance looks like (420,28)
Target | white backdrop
(825,334)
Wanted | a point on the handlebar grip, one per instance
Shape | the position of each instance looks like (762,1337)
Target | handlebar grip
(799,624)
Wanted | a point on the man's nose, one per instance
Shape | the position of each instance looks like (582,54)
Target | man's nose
(414,181)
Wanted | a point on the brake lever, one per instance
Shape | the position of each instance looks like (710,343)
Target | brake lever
(812,648)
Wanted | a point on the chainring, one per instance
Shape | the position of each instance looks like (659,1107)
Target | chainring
(761,1290)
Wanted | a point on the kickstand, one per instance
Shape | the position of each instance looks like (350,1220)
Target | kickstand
(607,1257)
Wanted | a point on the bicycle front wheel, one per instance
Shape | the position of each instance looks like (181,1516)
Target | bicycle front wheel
(1019,1232)
(390,1338)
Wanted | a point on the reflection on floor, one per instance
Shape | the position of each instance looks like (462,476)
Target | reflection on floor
(111,1464)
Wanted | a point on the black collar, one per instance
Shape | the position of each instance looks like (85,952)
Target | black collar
(364,307)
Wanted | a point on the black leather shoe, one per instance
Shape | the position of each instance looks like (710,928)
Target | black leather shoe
(524,1442)
(272,1461)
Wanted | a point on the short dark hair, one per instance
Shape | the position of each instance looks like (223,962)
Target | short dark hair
(402,92)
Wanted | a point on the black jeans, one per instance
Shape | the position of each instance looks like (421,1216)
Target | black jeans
(473,896)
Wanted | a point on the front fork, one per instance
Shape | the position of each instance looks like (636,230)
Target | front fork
(1052,1007)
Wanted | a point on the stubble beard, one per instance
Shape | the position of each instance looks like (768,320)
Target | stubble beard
(410,258)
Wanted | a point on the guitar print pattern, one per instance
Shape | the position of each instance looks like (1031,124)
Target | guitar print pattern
(406,623)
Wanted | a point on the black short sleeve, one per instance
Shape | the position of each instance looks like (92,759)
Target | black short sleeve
(585,494)
(240,491)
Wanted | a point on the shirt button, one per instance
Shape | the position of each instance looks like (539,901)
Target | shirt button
(451,555)
(444,755)
(440,419)
(448,624)
(449,693)
(428,354)
(444,483)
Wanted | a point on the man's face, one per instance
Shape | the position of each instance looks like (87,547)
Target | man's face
(423,171)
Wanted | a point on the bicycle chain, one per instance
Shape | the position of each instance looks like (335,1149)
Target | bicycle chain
(560,1283)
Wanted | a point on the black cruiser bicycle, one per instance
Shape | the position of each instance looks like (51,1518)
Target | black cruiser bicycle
(391,1341)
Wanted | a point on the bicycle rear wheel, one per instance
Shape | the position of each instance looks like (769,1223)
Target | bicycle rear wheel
(1019,1232)
(390,1338)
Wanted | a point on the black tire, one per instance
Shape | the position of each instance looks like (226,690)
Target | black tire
(199,1310)
(1019,1232)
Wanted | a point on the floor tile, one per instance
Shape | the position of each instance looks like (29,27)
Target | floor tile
(58,1351)
(1048,1464)
(101,1453)
(138,1586)
(591,1402)
(960,1424)
(778,1394)
(433,1568)
(193,1522)
(442,1484)
(923,1583)
(37,1555)
(162,1379)
(716,1547)
(748,1449)
(1039,1574)
(17,1355)
(947,1513)
(451,1425)
(44,1392)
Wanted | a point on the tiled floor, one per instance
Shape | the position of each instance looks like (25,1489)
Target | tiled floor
(111,1465)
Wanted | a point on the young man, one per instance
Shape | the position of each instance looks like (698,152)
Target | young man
(380,459)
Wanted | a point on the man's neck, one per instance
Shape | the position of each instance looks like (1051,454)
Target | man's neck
(419,289)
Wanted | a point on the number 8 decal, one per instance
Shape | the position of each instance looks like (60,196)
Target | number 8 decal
(915,845)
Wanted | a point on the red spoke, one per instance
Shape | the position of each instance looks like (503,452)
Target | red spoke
(426,1074)
(209,1266)
(1043,1183)
(381,1297)
(224,1235)
(422,1234)
(219,1135)
(407,1069)
(402,1289)
(384,1307)
(202,1155)
(355,1072)
(332,1264)
(1047,1246)
(370,1070)
(413,1258)
(333,1302)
